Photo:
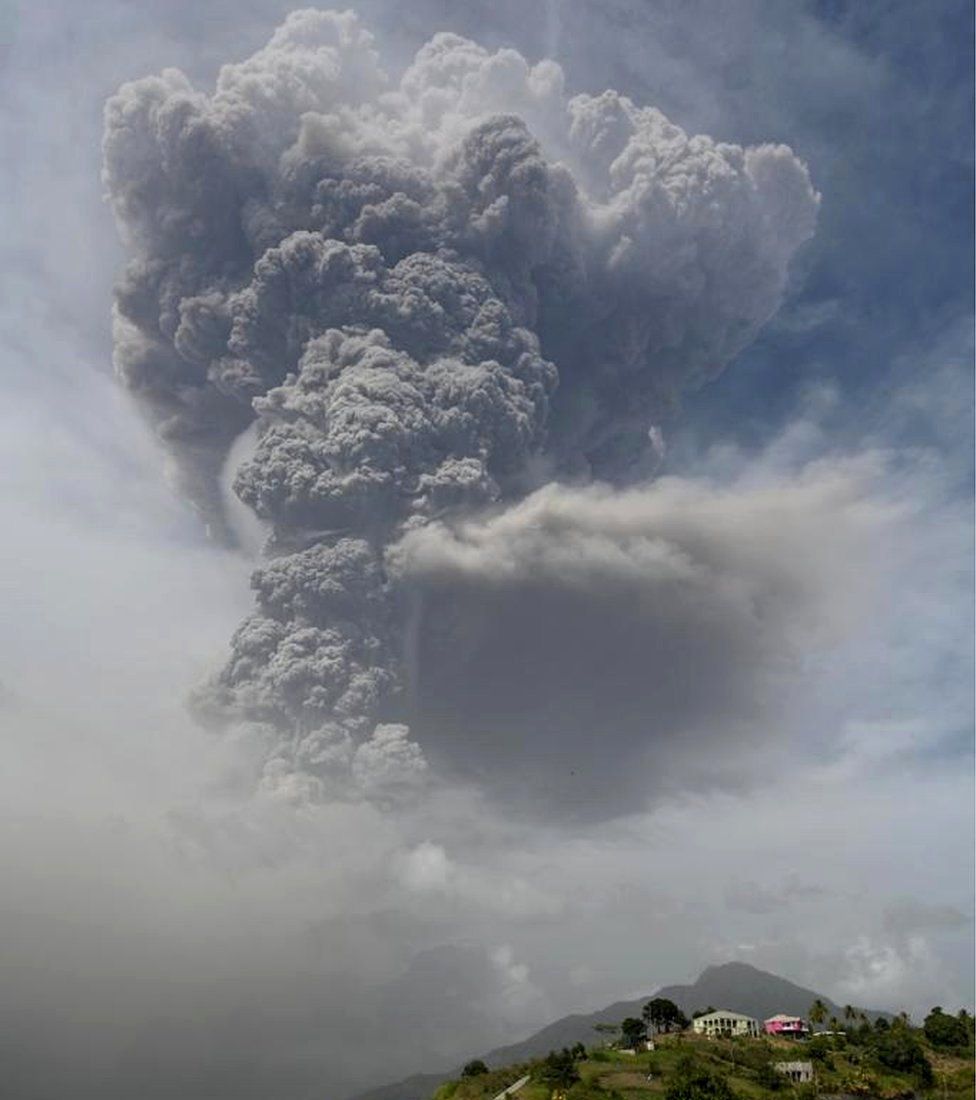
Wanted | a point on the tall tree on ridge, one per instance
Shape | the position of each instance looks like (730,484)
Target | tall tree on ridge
(818,1012)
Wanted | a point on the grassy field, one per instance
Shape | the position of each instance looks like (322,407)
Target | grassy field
(743,1064)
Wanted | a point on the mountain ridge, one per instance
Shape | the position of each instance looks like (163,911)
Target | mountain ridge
(733,985)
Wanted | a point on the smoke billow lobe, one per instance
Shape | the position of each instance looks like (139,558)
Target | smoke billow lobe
(431,295)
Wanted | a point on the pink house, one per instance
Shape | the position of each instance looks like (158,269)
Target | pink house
(786,1027)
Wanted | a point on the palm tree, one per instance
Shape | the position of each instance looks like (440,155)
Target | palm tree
(850,1012)
(818,1012)
(834,1024)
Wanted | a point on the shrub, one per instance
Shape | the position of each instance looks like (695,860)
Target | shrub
(819,1048)
(474,1068)
(899,1050)
(944,1031)
(751,1053)
(770,1077)
(693,1082)
(859,1083)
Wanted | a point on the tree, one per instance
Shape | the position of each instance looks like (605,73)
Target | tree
(818,1012)
(664,1015)
(632,1032)
(945,1031)
(474,1068)
(558,1071)
(850,1013)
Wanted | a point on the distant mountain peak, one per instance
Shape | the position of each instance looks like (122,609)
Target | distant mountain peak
(733,966)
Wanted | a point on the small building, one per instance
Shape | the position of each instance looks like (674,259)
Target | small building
(725,1024)
(800,1073)
(786,1027)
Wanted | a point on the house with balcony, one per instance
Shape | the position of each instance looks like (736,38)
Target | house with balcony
(725,1024)
(786,1027)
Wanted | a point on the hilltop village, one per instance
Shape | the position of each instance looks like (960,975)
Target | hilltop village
(722,1054)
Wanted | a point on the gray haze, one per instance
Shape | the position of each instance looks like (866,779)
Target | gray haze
(554,621)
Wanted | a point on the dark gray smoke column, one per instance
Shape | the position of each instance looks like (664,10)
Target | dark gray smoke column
(432,295)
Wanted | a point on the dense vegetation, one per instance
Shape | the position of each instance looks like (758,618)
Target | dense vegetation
(887,1060)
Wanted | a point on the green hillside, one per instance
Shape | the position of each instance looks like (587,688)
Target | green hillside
(735,984)
(896,1063)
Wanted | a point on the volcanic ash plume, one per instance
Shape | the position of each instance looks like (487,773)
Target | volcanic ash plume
(432,296)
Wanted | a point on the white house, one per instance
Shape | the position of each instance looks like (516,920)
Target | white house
(725,1023)
(798,1072)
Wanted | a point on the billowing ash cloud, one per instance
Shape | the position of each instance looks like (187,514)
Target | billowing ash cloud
(599,645)
(433,296)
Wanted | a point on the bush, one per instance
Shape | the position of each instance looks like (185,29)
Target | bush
(859,1083)
(819,1048)
(751,1053)
(899,1050)
(945,1032)
(770,1077)
(693,1082)
(474,1068)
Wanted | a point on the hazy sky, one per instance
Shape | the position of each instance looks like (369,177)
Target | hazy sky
(718,706)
